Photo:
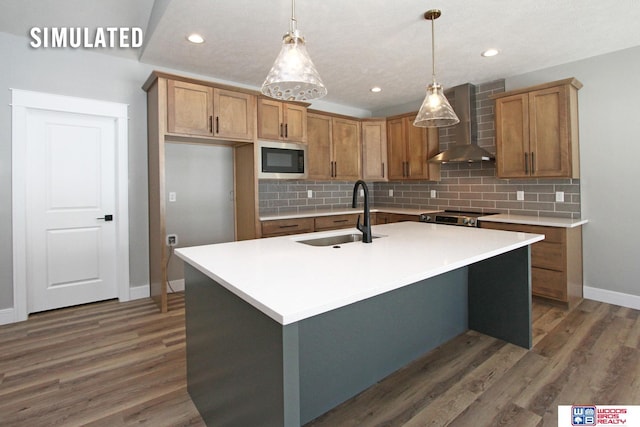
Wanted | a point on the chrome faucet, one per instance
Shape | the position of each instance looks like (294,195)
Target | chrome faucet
(366,227)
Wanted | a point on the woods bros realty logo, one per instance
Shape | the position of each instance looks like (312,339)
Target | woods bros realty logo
(592,415)
(84,37)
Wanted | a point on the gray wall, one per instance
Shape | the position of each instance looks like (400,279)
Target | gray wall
(202,178)
(609,153)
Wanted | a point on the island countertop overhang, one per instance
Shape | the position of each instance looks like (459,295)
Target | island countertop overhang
(290,281)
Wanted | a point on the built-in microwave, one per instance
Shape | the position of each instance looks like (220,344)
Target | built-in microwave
(282,160)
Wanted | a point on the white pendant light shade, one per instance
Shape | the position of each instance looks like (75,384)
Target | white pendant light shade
(293,76)
(435,110)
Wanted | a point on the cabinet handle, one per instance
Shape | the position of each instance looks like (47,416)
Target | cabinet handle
(281,130)
(526,163)
(211,124)
(289,226)
(336,221)
(286,130)
(382,167)
(533,164)
(335,169)
(217,124)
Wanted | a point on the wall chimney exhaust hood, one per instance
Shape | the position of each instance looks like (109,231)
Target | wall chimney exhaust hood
(465,148)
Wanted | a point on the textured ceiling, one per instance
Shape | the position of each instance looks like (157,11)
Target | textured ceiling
(355,44)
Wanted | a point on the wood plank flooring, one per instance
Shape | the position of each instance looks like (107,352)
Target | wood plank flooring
(122,364)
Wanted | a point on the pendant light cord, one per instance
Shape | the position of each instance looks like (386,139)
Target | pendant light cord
(293,26)
(433,51)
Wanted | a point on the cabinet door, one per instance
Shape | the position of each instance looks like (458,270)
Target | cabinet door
(270,119)
(396,149)
(512,136)
(374,150)
(417,148)
(319,146)
(549,134)
(189,108)
(233,114)
(346,149)
(295,122)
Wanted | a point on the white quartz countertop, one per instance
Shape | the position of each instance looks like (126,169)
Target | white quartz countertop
(327,212)
(534,220)
(290,281)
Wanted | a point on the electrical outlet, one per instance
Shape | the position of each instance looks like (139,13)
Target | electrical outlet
(309,194)
(172,196)
(520,195)
(391,192)
(433,194)
(559,196)
(172,239)
(361,192)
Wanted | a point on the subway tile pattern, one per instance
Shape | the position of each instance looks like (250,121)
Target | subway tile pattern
(472,186)
(285,197)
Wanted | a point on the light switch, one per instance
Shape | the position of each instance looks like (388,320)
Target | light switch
(309,194)
(559,196)
(520,195)
(391,192)
(361,192)
(433,194)
(172,196)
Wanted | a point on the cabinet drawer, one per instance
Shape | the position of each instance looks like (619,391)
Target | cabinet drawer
(548,255)
(551,234)
(333,222)
(549,283)
(282,227)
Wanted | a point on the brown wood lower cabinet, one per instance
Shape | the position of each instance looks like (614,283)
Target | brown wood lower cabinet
(388,218)
(556,262)
(334,222)
(283,227)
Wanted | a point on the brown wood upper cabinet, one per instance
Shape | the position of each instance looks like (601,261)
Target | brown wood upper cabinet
(537,131)
(374,150)
(409,147)
(334,147)
(281,121)
(199,110)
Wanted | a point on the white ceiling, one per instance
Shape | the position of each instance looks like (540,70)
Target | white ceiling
(355,44)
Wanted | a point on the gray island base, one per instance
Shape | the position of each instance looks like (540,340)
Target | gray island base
(246,369)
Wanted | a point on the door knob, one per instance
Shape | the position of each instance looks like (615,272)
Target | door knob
(107,218)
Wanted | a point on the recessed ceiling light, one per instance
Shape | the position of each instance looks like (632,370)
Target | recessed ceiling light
(376,89)
(195,38)
(490,52)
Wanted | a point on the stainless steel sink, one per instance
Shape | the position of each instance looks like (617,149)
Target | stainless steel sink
(335,240)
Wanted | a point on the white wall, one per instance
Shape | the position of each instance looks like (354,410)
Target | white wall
(610,170)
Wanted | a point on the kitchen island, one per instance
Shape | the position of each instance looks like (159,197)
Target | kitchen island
(279,332)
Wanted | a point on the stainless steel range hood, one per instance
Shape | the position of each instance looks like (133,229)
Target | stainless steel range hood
(465,148)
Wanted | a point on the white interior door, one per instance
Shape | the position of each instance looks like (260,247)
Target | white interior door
(71,192)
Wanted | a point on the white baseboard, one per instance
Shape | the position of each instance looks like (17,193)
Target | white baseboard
(612,297)
(7,316)
(138,292)
(176,285)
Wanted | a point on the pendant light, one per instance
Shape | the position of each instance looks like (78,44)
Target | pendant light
(435,110)
(293,76)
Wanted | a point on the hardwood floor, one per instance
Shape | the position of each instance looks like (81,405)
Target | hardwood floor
(103,364)
(119,364)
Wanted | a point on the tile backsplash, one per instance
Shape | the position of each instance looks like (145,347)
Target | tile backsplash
(462,186)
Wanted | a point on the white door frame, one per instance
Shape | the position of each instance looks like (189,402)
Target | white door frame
(21,102)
